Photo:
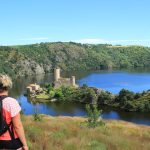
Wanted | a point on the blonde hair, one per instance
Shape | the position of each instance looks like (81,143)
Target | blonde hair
(5,83)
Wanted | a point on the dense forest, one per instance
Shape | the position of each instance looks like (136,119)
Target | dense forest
(44,57)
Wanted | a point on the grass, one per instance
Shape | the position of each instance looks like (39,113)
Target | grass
(67,133)
(42,96)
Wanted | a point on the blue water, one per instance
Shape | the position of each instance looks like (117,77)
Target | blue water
(112,81)
(115,81)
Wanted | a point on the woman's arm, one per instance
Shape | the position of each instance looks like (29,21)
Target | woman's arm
(19,130)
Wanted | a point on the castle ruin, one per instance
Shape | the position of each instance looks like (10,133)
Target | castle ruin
(59,81)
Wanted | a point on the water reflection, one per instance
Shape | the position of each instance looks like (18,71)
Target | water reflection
(111,114)
(77,109)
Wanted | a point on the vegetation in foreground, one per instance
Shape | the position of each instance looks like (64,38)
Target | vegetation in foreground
(44,57)
(67,133)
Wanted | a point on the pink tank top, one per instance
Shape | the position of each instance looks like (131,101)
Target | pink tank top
(11,108)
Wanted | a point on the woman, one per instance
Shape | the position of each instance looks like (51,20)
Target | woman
(12,136)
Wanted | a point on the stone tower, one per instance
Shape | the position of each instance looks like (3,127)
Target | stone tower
(73,81)
(56,74)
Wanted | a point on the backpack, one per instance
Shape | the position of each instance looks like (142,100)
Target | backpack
(3,124)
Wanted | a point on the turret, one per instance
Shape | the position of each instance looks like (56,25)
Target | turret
(73,81)
(56,74)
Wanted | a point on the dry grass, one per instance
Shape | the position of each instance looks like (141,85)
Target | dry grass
(66,133)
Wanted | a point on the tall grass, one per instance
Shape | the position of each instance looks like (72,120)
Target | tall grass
(66,133)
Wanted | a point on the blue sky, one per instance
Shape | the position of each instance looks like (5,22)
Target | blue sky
(86,21)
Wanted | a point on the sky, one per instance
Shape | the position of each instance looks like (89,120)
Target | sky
(125,22)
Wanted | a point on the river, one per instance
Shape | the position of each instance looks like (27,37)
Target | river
(113,81)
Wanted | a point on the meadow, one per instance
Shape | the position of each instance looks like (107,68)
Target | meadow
(69,133)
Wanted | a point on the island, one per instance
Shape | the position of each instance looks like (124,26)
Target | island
(66,90)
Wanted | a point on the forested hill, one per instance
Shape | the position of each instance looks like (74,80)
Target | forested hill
(42,58)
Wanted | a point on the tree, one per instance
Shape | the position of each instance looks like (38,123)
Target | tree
(125,95)
(93,115)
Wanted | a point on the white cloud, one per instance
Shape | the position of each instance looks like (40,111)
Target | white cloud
(34,39)
(104,41)
(91,41)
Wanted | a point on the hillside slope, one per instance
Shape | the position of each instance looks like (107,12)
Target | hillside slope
(42,58)
(66,133)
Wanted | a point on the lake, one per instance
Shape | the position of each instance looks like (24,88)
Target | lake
(113,81)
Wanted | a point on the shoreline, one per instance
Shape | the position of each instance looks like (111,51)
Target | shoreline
(83,118)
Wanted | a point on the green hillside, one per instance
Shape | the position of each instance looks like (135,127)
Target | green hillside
(43,57)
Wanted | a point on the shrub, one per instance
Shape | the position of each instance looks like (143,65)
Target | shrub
(37,117)
(125,95)
(94,116)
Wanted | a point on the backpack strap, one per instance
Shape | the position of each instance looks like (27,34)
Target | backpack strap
(1,98)
(11,131)
(9,126)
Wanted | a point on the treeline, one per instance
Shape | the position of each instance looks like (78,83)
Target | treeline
(125,99)
(44,57)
